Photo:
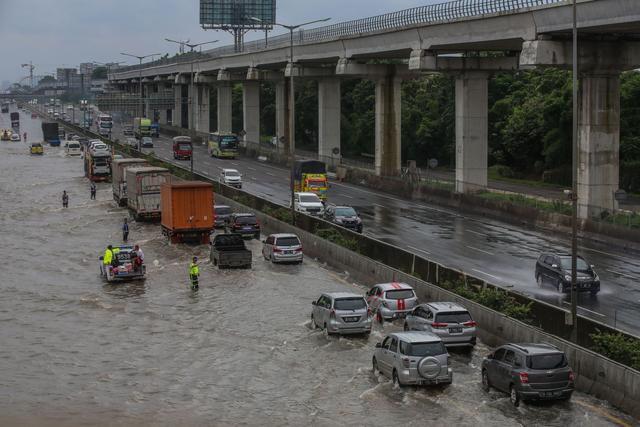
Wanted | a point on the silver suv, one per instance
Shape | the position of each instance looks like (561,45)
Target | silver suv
(450,321)
(390,301)
(341,313)
(418,358)
(528,372)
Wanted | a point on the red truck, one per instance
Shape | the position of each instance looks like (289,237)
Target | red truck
(182,148)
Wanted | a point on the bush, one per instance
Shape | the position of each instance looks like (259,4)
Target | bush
(630,176)
(618,347)
(334,236)
(281,214)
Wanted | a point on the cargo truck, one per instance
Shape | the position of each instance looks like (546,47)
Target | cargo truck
(143,191)
(15,120)
(118,177)
(187,211)
(97,165)
(141,127)
(50,134)
(310,176)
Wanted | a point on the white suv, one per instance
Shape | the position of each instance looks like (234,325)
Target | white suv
(231,177)
(308,203)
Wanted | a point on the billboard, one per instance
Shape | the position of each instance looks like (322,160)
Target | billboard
(230,14)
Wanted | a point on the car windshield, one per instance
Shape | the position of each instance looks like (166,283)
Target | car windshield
(547,361)
(309,199)
(146,139)
(288,241)
(346,212)
(424,349)
(232,173)
(99,147)
(76,145)
(566,264)
(246,220)
(184,147)
(223,211)
(350,304)
(317,184)
(229,143)
(400,294)
(453,317)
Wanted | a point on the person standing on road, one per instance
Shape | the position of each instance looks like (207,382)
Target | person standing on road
(194,274)
(93,191)
(65,199)
(107,259)
(24,137)
(125,231)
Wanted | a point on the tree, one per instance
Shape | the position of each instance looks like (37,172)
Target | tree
(47,79)
(99,73)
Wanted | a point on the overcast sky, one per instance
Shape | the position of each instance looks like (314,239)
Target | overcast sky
(56,33)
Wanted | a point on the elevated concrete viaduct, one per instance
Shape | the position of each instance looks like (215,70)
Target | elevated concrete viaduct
(470,43)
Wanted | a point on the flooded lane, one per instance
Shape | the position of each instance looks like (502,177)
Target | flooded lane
(240,352)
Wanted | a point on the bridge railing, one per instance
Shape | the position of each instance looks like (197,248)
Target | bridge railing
(449,11)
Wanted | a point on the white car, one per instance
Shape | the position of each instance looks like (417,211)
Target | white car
(73,148)
(308,203)
(231,177)
(15,137)
(100,148)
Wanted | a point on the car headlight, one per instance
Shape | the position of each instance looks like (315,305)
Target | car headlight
(567,277)
(339,220)
(596,277)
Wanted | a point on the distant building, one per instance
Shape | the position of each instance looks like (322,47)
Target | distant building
(99,86)
(68,78)
(86,68)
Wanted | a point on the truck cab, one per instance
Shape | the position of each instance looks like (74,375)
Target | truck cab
(310,176)
(182,148)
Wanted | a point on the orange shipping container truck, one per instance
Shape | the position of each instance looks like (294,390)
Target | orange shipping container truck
(187,211)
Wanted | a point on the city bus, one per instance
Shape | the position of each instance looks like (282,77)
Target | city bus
(223,145)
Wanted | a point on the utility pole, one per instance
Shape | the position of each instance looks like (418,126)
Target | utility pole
(140,58)
(574,191)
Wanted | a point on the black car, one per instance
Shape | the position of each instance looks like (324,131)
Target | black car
(245,224)
(556,269)
(146,142)
(344,216)
(528,372)
(223,214)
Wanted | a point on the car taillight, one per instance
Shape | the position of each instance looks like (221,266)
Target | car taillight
(406,362)
(470,324)
(572,376)
(524,378)
(277,250)
(439,325)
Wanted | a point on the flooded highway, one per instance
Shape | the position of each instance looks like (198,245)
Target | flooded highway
(74,351)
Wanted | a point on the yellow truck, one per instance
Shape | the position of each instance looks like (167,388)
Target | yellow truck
(310,176)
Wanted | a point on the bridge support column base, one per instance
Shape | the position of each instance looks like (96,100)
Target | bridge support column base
(388,126)
(251,111)
(329,108)
(225,102)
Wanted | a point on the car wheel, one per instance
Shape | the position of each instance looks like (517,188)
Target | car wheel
(560,287)
(374,364)
(486,385)
(514,396)
(396,379)
(539,280)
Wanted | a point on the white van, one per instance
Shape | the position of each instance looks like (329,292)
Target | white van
(73,148)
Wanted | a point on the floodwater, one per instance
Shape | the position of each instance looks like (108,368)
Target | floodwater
(75,351)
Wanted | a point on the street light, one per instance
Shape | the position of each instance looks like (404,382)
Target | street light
(292,104)
(140,58)
(574,195)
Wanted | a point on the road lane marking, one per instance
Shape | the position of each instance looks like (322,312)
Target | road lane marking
(419,250)
(486,274)
(252,169)
(478,233)
(621,274)
(380,206)
(611,255)
(269,173)
(585,309)
(347,197)
(480,250)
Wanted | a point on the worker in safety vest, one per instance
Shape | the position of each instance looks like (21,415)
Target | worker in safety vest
(194,273)
(107,259)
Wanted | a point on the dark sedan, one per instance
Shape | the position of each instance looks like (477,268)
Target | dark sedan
(556,269)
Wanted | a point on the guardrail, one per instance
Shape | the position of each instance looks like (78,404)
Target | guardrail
(449,11)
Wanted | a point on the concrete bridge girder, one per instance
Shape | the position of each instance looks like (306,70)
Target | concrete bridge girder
(431,61)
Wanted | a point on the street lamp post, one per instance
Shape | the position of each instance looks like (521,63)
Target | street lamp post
(574,192)
(292,106)
(140,58)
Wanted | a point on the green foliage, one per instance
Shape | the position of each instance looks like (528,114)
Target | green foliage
(334,236)
(618,347)
(557,206)
(281,214)
(268,110)
(493,298)
(358,117)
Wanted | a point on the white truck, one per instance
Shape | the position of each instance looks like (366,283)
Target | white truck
(143,191)
(104,123)
(118,177)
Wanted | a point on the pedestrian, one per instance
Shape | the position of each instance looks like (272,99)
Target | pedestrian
(65,199)
(24,136)
(107,259)
(138,257)
(194,274)
(93,191)
(125,231)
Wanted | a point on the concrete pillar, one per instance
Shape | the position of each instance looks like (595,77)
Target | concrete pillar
(225,102)
(251,111)
(472,109)
(162,116)
(329,103)
(201,107)
(598,143)
(388,121)
(177,110)
(282,114)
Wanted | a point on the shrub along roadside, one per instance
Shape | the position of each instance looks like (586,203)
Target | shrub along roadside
(618,347)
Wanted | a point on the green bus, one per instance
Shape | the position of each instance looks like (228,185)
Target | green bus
(223,145)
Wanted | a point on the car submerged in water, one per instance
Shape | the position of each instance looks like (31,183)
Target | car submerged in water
(125,267)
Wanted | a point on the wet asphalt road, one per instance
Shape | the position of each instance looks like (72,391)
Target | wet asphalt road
(500,253)
(241,351)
